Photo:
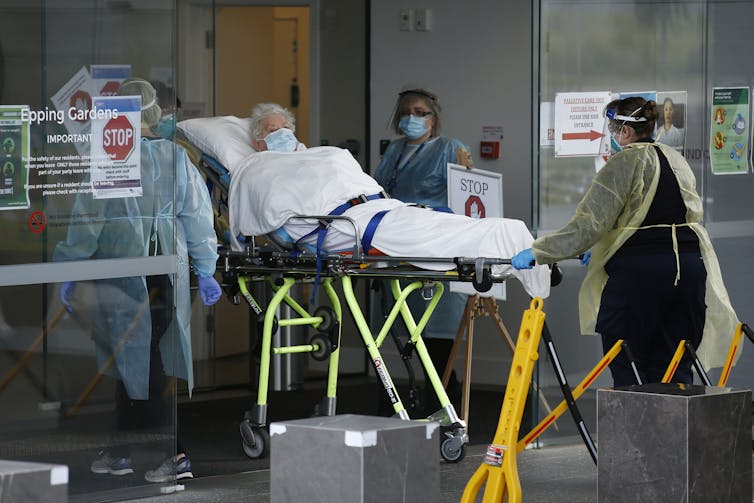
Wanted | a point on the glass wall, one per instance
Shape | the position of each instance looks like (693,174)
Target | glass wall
(681,50)
(89,341)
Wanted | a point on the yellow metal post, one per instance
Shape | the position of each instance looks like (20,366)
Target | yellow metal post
(577,392)
(499,470)
(673,365)
(731,355)
(478,307)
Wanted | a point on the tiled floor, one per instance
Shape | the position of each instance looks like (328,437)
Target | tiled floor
(548,475)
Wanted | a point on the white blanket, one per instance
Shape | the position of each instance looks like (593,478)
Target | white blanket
(268,188)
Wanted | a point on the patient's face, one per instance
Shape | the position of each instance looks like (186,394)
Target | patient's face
(269,124)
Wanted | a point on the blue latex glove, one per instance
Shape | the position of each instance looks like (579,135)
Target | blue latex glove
(523,259)
(66,292)
(585,257)
(209,290)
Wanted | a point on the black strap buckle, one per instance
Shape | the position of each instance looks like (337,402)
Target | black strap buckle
(361,198)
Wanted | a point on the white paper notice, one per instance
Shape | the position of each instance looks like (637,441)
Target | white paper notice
(579,123)
(116,151)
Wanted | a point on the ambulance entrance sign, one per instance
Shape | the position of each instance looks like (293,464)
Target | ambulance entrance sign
(476,193)
(579,123)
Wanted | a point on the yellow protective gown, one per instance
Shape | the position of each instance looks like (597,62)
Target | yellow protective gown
(612,209)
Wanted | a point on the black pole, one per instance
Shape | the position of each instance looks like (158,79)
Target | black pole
(567,394)
(698,365)
(624,345)
(747,330)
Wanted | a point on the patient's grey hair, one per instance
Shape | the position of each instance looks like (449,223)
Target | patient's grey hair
(262,110)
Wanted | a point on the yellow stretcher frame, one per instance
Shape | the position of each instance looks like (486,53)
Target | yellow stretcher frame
(279,268)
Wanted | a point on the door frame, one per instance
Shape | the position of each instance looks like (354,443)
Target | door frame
(314,49)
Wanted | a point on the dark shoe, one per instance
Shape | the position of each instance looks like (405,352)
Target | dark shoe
(106,463)
(170,469)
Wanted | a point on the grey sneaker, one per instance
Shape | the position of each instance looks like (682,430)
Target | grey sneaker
(106,463)
(170,469)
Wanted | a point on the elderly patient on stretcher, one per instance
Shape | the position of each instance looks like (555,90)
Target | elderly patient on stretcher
(269,187)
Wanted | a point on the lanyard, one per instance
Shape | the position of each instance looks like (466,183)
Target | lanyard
(391,184)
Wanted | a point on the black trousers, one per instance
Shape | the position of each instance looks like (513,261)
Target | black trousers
(642,305)
(158,411)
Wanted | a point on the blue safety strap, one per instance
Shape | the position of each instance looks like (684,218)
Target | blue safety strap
(366,241)
(324,226)
(353,202)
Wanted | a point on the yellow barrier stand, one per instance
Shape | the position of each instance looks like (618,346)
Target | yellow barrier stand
(499,469)
(731,355)
(577,392)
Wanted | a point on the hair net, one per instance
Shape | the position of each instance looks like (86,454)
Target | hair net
(150,110)
(262,110)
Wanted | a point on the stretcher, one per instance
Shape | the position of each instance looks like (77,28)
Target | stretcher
(270,259)
(282,272)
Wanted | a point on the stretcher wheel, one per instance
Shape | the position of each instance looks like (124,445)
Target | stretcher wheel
(452,449)
(324,347)
(254,440)
(328,318)
(485,284)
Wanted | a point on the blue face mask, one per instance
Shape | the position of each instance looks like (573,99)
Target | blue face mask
(282,140)
(165,128)
(614,145)
(413,127)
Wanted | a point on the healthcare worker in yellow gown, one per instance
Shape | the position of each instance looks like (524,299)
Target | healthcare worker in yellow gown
(653,278)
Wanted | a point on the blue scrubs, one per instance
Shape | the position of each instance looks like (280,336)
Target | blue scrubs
(420,175)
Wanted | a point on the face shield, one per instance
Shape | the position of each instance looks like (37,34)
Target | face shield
(614,117)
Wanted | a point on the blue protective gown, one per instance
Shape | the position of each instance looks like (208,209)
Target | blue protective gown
(131,227)
(424,180)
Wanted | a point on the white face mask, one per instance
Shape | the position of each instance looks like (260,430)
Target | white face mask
(281,140)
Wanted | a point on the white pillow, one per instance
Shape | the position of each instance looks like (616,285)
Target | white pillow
(227,139)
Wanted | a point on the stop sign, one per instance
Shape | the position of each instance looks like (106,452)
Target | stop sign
(475,207)
(118,138)
(110,88)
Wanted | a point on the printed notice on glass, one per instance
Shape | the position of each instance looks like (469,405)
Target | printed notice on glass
(579,123)
(729,131)
(106,79)
(74,99)
(475,193)
(547,124)
(116,154)
(14,157)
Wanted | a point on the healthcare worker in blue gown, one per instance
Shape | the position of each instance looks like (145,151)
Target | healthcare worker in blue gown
(133,320)
(414,170)
(653,278)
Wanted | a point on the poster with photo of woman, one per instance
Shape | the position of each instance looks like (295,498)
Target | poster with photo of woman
(671,123)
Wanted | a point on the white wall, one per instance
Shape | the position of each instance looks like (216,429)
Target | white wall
(477,58)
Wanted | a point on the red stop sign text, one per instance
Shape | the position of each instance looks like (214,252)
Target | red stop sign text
(118,138)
